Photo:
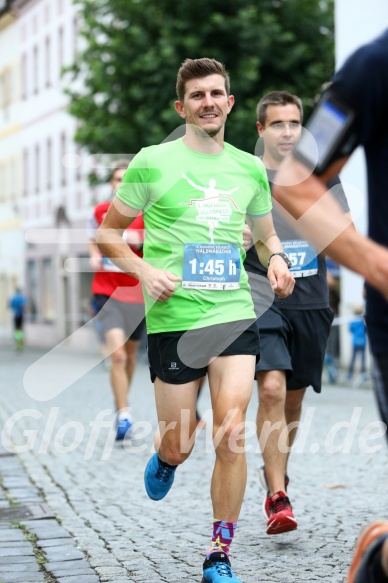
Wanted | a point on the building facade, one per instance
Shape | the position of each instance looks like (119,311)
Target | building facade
(45,191)
(11,239)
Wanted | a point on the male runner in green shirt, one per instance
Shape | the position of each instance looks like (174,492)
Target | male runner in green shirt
(196,193)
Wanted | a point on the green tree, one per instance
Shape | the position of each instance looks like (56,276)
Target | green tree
(122,85)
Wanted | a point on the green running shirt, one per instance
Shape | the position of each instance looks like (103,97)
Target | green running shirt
(194,208)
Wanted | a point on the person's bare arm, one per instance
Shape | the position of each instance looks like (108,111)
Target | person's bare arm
(319,218)
(109,238)
(95,259)
(266,243)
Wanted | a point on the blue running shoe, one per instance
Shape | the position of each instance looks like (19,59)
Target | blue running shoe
(124,427)
(157,478)
(217,569)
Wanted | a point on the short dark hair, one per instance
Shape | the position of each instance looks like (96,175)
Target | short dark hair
(277,98)
(117,165)
(197,68)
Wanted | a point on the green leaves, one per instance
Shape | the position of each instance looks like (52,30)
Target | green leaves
(134,48)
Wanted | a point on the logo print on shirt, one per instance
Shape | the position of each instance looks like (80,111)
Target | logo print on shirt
(215,207)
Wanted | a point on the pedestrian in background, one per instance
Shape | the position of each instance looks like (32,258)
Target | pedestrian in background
(18,304)
(196,192)
(357,329)
(119,304)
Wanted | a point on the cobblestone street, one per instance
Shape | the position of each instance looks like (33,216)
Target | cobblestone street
(97,524)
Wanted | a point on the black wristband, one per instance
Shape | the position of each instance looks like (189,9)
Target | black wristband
(284,256)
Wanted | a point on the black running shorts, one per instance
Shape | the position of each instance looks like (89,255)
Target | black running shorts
(295,341)
(181,357)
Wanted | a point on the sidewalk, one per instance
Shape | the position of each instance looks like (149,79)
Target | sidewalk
(98,520)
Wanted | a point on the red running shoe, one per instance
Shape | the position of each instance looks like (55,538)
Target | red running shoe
(279,512)
(267,498)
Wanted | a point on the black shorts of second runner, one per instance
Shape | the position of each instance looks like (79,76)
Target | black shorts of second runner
(181,357)
(115,314)
(295,341)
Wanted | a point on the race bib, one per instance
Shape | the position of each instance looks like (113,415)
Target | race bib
(303,257)
(211,266)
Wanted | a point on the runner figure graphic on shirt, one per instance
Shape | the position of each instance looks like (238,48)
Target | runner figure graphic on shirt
(212,211)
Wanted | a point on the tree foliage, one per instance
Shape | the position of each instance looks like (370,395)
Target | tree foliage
(123,81)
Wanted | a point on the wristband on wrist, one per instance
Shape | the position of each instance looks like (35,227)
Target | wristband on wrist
(284,256)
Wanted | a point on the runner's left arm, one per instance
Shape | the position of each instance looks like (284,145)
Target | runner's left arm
(266,244)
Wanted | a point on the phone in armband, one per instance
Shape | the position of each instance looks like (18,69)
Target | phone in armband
(331,125)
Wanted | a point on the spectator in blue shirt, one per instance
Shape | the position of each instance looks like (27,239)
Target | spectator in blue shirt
(357,329)
(18,304)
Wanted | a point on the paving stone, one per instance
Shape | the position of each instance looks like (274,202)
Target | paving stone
(16,559)
(22,578)
(16,552)
(14,534)
(19,567)
(105,511)
(64,553)
(55,542)
(74,572)
(20,545)
(66,565)
(82,579)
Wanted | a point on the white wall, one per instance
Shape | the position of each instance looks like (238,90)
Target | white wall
(356,23)
(11,239)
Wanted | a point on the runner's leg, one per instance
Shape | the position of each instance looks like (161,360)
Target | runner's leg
(231,384)
(271,427)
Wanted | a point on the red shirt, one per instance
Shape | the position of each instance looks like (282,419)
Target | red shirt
(111,281)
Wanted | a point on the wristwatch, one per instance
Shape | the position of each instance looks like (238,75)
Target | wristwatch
(284,256)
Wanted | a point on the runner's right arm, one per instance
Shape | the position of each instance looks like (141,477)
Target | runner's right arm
(109,238)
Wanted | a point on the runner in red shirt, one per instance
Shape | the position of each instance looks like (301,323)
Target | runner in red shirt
(118,299)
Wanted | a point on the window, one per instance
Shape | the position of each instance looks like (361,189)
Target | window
(5,91)
(48,62)
(75,34)
(2,182)
(63,152)
(25,173)
(32,289)
(60,50)
(13,179)
(78,171)
(36,69)
(37,168)
(48,310)
(49,164)
(2,93)
(24,76)
(85,283)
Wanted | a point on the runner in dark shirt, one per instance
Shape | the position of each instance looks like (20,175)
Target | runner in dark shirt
(293,331)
